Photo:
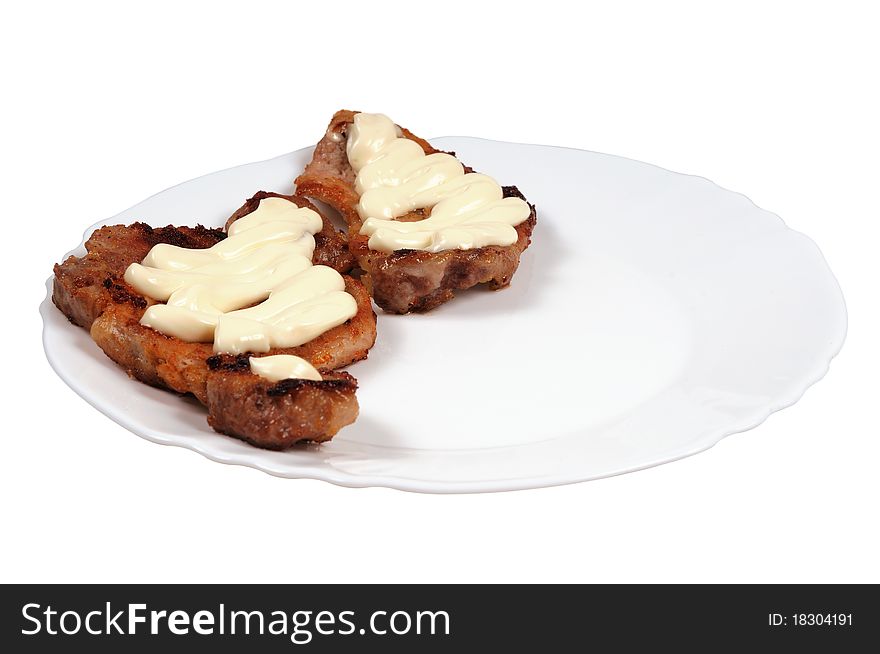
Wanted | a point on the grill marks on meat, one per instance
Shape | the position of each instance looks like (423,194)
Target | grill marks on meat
(274,415)
(92,293)
(405,280)
(85,286)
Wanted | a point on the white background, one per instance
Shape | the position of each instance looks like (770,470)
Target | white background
(105,104)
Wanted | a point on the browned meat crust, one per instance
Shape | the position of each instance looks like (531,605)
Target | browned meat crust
(92,293)
(405,280)
(167,362)
(84,285)
(276,415)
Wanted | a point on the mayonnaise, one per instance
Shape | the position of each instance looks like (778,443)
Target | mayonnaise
(265,262)
(395,176)
(283,366)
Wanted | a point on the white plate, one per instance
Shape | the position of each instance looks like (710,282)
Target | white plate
(654,314)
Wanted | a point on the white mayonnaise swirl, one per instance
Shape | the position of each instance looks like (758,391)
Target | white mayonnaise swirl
(266,261)
(395,176)
(283,366)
